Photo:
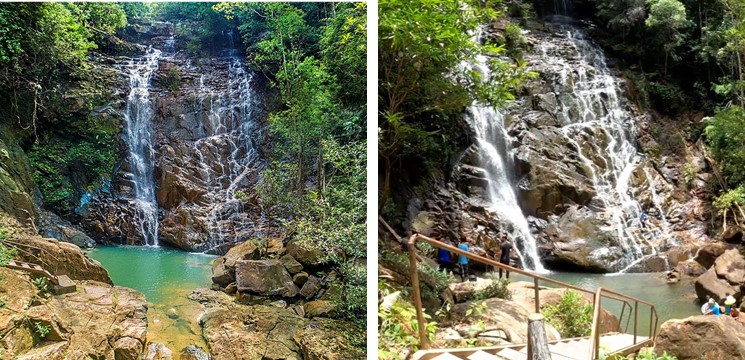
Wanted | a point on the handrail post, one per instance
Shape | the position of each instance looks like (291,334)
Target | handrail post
(595,334)
(537,339)
(537,297)
(620,319)
(651,316)
(416,293)
(636,318)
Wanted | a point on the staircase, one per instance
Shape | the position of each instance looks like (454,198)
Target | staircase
(567,349)
(61,284)
(622,342)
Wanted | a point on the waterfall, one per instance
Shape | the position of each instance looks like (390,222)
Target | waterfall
(227,154)
(139,138)
(494,151)
(596,122)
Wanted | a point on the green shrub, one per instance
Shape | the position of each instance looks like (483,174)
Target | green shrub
(572,317)
(497,289)
(689,174)
(648,354)
(172,80)
(41,283)
(6,252)
(241,195)
(41,330)
(399,329)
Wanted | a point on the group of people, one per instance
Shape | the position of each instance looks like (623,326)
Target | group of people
(711,307)
(445,257)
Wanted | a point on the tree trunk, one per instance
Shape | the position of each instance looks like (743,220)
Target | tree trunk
(386,184)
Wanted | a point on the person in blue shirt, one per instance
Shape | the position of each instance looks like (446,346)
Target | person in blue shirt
(444,258)
(643,218)
(462,260)
(715,309)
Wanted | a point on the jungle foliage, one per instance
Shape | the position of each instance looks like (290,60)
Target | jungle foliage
(424,86)
(48,90)
(314,55)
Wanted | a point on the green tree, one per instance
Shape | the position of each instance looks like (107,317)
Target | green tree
(422,44)
(668,19)
(725,133)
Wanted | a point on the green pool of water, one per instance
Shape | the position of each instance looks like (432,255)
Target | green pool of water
(166,277)
(672,301)
(155,271)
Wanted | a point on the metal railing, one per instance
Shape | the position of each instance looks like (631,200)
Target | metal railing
(599,294)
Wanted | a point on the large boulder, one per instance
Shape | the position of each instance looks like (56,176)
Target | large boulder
(726,276)
(708,253)
(327,339)
(495,313)
(52,226)
(580,241)
(252,332)
(305,254)
(716,337)
(553,175)
(61,258)
(523,294)
(264,277)
(223,268)
(98,320)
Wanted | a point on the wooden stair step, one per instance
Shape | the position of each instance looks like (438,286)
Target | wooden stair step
(511,354)
(482,355)
(446,356)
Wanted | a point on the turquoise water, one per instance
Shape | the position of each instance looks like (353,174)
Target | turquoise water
(672,301)
(154,271)
(166,277)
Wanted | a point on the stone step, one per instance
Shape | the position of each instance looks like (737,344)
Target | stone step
(65,285)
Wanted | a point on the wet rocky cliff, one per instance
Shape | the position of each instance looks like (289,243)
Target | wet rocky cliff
(567,169)
(192,137)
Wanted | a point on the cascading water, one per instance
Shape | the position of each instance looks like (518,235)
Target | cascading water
(601,130)
(139,138)
(494,148)
(227,154)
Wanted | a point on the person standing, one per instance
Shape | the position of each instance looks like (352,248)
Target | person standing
(643,219)
(729,301)
(504,257)
(444,258)
(462,260)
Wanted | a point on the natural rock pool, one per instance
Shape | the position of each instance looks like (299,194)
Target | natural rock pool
(166,277)
(673,301)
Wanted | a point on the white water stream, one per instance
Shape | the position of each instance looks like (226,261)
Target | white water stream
(139,138)
(602,131)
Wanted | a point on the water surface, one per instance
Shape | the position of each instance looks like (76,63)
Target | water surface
(166,277)
(672,301)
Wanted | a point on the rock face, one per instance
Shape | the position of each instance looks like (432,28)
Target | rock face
(266,278)
(235,331)
(16,182)
(206,121)
(61,258)
(717,337)
(52,226)
(578,183)
(323,339)
(726,276)
(99,321)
